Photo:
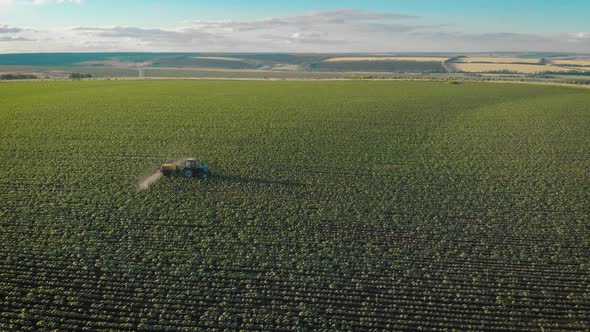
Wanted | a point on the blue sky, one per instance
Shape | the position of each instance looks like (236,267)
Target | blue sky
(295,25)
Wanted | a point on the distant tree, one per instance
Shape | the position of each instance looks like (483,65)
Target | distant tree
(544,61)
(79,76)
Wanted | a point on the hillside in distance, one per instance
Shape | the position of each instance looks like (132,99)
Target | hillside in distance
(557,67)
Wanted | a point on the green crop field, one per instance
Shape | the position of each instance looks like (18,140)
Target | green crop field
(342,205)
(190,62)
(394,66)
(238,74)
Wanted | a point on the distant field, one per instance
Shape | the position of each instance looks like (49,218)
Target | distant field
(420,59)
(521,68)
(272,59)
(394,66)
(218,58)
(497,60)
(206,62)
(246,73)
(208,65)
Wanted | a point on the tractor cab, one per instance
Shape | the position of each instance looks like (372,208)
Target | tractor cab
(192,163)
(193,168)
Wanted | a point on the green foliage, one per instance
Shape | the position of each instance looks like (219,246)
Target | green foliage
(345,205)
(17,77)
(79,76)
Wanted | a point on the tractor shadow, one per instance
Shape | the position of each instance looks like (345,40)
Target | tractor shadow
(239,179)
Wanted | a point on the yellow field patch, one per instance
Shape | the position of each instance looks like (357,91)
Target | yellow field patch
(497,60)
(521,68)
(388,58)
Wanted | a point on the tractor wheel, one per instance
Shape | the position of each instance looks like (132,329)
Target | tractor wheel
(167,173)
(188,173)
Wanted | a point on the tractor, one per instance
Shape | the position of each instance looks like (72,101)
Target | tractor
(192,169)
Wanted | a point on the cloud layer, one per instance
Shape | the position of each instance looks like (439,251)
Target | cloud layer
(340,30)
(7,29)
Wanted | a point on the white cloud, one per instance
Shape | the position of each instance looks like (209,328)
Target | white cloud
(579,37)
(306,21)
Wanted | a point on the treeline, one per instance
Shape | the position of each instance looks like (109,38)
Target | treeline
(79,76)
(18,77)
(74,76)
(572,73)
